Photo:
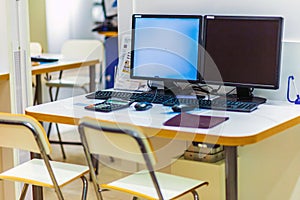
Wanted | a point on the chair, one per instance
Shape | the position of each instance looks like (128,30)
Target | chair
(75,50)
(128,142)
(25,133)
(35,49)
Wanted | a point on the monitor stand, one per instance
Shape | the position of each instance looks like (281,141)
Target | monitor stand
(170,88)
(245,94)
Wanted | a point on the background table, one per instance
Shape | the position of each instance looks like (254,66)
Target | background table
(63,65)
(4,76)
(58,66)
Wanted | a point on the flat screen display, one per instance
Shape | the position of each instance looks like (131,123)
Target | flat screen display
(110,8)
(245,50)
(165,47)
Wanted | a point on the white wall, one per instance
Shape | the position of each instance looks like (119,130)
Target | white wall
(68,20)
(4,66)
(124,16)
(289,10)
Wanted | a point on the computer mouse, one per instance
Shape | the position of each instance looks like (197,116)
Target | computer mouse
(140,106)
(182,108)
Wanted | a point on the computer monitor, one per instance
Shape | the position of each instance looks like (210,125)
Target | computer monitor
(165,47)
(110,8)
(246,51)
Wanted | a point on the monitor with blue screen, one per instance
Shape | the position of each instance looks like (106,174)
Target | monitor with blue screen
(165,47)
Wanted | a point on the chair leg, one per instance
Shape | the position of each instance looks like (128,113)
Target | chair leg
(60,142)
(49,130)
(35,95)
(50,94)
(84,188)
(195,194)
(24,191)
(95,161)
(56,93)
(57,129)
(85,90)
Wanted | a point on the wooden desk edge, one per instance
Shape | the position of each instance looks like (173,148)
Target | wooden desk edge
(53,118)
(64,66)
(4,77)
(181,135)
(40,69)
(108,33)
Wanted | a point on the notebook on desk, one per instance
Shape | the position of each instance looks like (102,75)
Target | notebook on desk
(194,121)
(43,59)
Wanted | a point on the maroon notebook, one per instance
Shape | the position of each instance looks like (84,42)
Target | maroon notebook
(194,121)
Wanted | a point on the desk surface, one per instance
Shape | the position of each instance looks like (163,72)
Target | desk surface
(241,128)
(55,66)
(61,65)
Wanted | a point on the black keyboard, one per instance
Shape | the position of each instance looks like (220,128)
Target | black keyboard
(175,101)
(229,105)
(103,94)
(138,97)
(170,100)
(153,98)
(216,104)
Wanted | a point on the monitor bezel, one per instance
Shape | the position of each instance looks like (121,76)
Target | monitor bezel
(109,11)
(134,16)
(274,85)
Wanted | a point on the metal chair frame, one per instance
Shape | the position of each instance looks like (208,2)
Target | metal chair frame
(54,97)
(44,156)
(143,149)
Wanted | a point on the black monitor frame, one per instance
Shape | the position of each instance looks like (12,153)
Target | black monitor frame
(244,88)
(165,80)
(109,11)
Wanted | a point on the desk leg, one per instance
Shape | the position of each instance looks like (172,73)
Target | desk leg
(38,89)
(92,89)
(92,78)
(37,191)
(231,172)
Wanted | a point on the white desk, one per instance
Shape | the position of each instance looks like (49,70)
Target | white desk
(58,66)
(241,128)
(63,65)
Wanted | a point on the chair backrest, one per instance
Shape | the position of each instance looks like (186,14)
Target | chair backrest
(83,49)
(22,132)
(35,48)
(119,140)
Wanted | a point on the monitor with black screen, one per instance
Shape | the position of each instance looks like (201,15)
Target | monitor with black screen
(105,15)
(165,47)
(246,52)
